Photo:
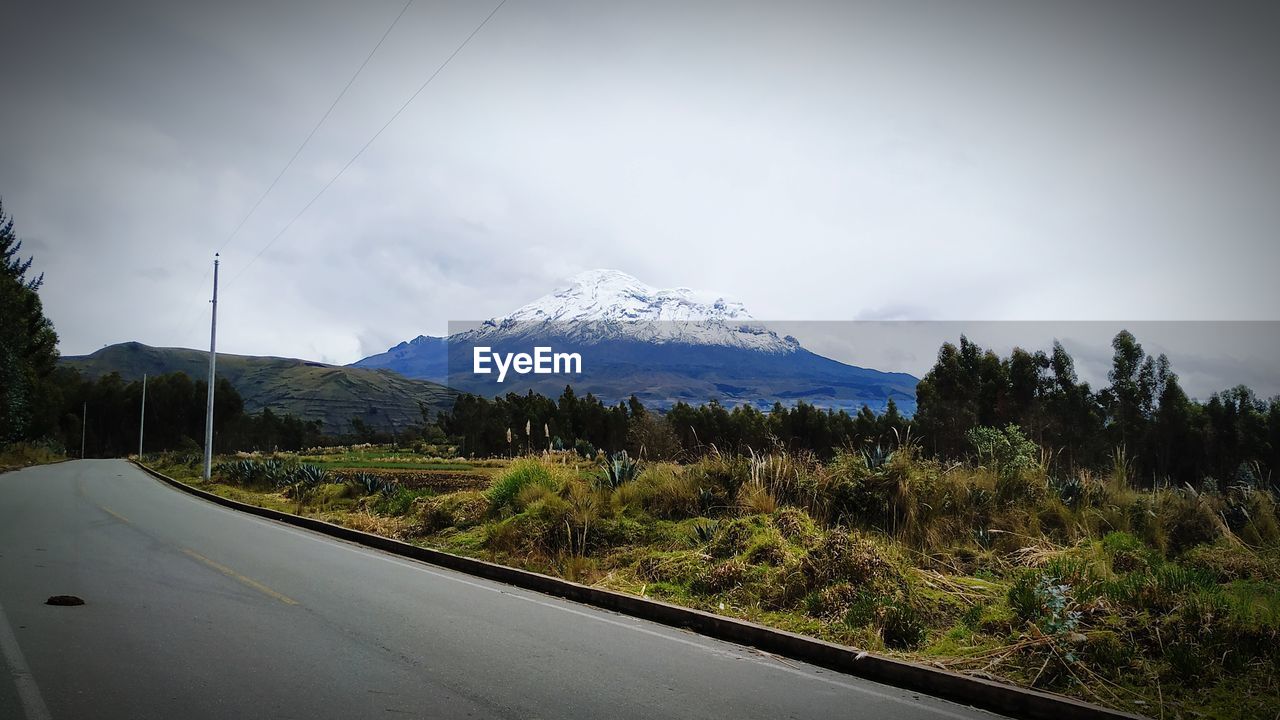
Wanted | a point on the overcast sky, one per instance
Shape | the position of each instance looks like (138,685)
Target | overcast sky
(819,161)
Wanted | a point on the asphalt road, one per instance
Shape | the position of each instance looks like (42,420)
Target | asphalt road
(197,611)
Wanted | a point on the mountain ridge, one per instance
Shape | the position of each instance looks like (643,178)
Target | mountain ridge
(664,346)
(383,399)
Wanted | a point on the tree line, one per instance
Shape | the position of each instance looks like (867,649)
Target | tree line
(1142,421)
(108,410)
(515,423)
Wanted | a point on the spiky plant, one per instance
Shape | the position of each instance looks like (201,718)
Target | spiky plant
(704,531)
(309,475)
(877,457)
(367,483)
(618,469)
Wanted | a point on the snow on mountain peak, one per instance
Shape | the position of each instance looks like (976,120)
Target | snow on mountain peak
(599,305)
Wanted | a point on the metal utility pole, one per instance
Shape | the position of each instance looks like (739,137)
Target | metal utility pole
(142,421)
(84,423)
(213,361)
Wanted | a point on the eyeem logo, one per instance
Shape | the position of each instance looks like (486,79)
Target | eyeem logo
(542,362)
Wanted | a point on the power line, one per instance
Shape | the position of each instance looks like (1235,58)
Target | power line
(364,147)
(319,122)
(305,141)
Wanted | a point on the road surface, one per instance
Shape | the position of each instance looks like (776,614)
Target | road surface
(197,611)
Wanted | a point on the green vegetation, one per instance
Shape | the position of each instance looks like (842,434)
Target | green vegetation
(1160,601)
(28,343)
(19,455)
(973,405)
(358,404)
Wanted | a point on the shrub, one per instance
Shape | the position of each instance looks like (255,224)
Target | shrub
(397,502)
(1157,590)
(667,494)
(1127,561)
(1188,520)
(1226,562)
(521,474)
(616,532)
(368,483)
(459,510)
(768,547)
(1188,661)
(22,454)
(834,602)
(734,536)
(680,567)
(274,472)
(900,626)
(795,525)
(725,576)
(1055,519)
(1041,599)
(1005,450)
(723,472)
(843,557)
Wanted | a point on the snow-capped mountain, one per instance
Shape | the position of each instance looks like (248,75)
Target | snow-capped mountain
(664,346)
(606,305)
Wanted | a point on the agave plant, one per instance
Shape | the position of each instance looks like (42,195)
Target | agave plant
(619,469)
(706,500)
(1071,490)
(248,471)
(704,531)
(285,476)
(368,483)
(270,471)
(239,472)
(309,475)
(877,457)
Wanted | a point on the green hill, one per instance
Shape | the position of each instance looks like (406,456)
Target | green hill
(383,399)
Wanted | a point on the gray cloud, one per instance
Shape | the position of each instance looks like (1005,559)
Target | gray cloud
(988,159)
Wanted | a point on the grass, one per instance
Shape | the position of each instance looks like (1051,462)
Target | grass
(1162,603)
(20,455)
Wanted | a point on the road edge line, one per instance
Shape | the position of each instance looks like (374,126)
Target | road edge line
(964,689)
(28,691)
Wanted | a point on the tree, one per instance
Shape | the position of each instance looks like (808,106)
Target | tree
(1175,447)
(28,343)
(1130,397)
(1074,420)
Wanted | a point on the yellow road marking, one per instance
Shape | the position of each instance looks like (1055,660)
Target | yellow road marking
(241,578)
(115,514)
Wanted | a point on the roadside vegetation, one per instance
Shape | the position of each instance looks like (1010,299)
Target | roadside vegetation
(1161,601)
(19,455)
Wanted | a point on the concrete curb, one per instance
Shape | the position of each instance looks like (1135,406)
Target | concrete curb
(965,689)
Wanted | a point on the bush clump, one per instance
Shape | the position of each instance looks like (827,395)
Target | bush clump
(460,510)
(722,577)
(733,537)
(841,556)
(523,473)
